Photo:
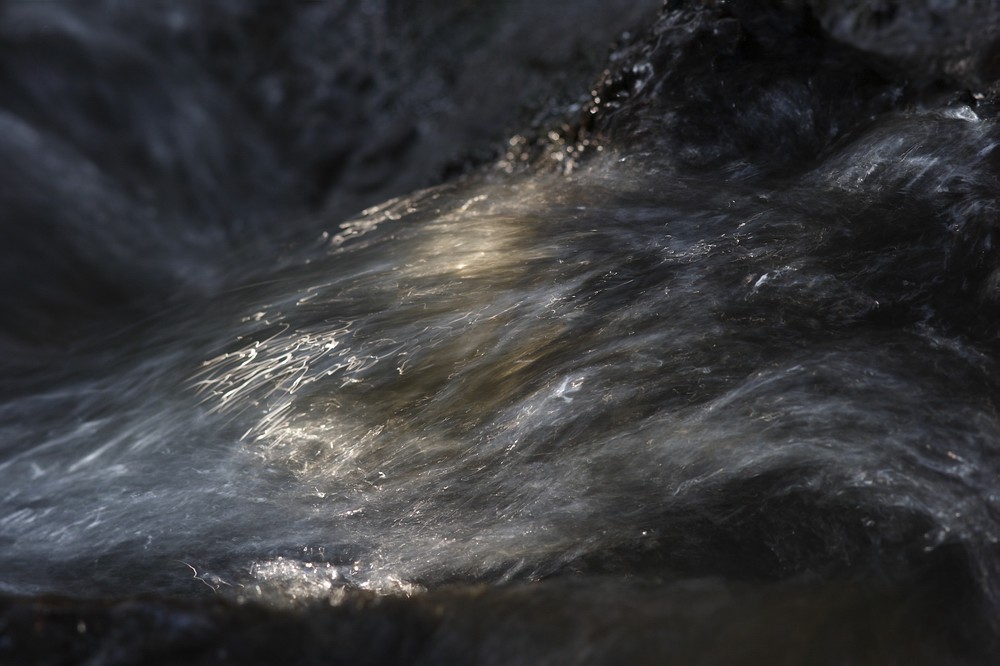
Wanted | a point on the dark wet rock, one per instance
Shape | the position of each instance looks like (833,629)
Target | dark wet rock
(603,621)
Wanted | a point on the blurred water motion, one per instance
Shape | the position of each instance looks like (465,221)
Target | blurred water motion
(697,366)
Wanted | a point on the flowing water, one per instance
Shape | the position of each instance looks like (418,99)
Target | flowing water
(699,366)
